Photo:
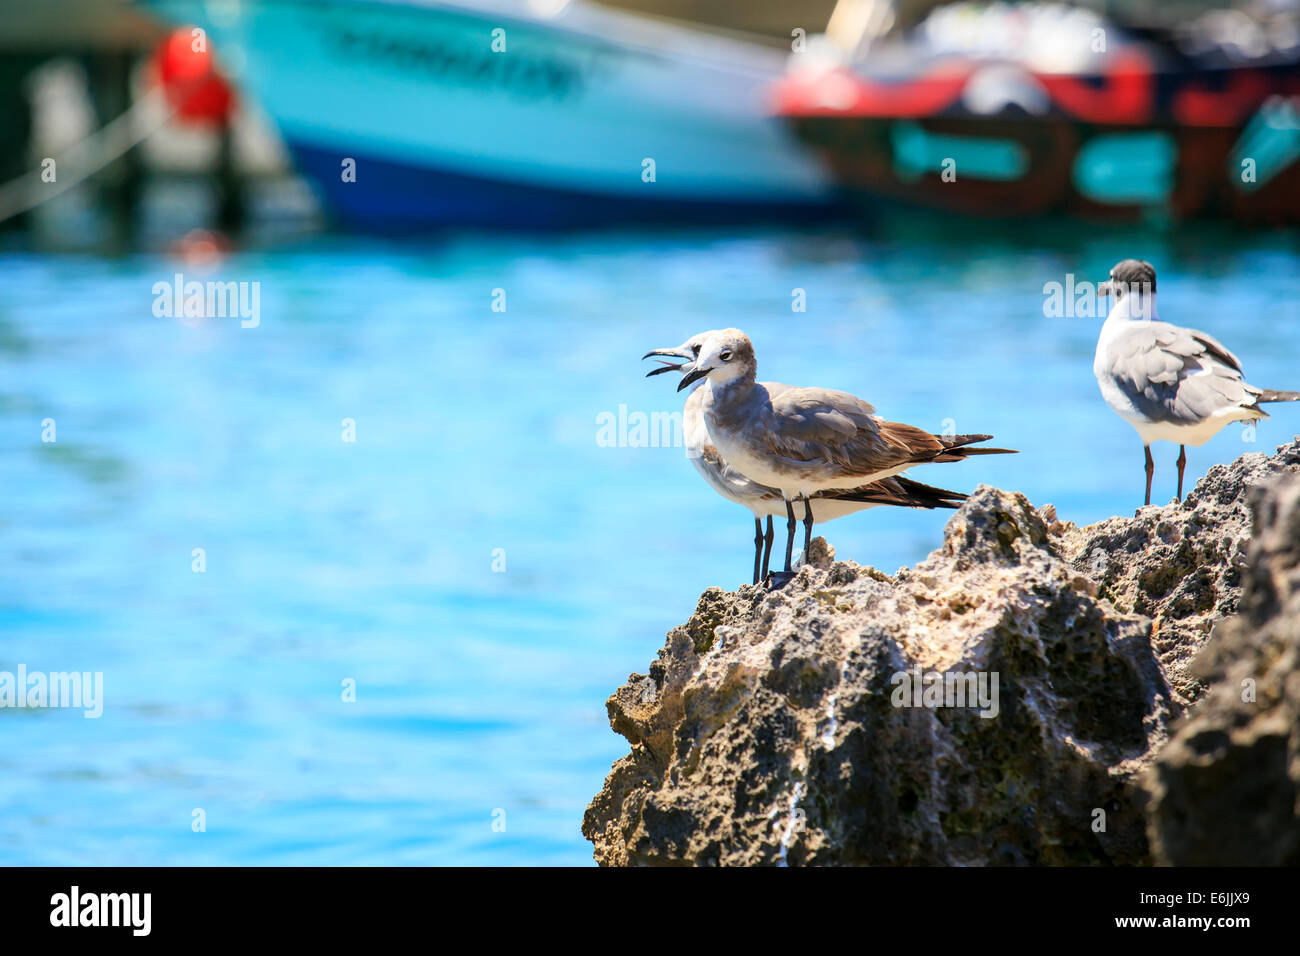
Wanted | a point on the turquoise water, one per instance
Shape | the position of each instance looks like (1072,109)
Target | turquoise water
(479,692)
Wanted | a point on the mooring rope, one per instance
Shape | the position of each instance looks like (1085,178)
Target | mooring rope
(96,151)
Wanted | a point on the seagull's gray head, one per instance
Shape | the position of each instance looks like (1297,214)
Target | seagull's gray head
(724,355)
(688,350)
(1128,276)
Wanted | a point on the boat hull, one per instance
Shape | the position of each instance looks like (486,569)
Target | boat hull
(458,117)
(1134,145)
(398,198)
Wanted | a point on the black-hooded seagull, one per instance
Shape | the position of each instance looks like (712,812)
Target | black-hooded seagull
(1170,383)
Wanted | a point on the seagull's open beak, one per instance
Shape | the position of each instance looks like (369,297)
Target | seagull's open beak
(680,352)
(1105,288)
(663,367)
(694,375)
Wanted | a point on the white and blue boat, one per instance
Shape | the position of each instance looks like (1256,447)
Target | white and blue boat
(515,113)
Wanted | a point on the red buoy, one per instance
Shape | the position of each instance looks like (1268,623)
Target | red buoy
(189,76)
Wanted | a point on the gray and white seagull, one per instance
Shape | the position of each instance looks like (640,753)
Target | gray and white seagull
(764,502)
(804,441)
(1170,383)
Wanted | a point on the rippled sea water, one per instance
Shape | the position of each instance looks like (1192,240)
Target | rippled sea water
(479,692)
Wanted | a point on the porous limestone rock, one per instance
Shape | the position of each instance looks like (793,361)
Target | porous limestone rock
(778,726)
(1226,788)
(1180,564)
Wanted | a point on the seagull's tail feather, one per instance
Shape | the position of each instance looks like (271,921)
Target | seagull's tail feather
(904,493)
(1272,395)
(931,496)
(957,447)
(957,454)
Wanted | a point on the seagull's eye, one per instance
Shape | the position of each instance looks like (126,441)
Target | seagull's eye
(695,350)
(725,355)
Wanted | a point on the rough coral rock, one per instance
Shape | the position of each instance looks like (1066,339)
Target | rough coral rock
(795,726)
(1181,564)
(1226,788)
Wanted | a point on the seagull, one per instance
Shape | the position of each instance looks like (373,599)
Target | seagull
(804,441)
(764,502)
(1170,383)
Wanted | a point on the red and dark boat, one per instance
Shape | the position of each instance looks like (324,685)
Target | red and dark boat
(1054,110)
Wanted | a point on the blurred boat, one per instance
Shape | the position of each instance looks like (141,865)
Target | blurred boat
(1016,111)
(507,113)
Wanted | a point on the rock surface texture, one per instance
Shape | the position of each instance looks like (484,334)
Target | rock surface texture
(1180,566)
(1000,703)
(1226,788)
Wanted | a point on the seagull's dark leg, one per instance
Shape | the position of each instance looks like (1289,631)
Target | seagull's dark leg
(789,530)
(1151,470)
(758,547)
(767,548)
(807,527)
(1182,463)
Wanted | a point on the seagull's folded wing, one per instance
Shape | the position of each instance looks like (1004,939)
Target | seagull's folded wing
(1175,375)
(813,423)
(841,431)
(819,414)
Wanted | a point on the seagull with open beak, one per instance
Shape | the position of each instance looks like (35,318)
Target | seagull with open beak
(763,501)
(805,443)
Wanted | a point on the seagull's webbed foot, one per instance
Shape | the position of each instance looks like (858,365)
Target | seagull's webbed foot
(776,580)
